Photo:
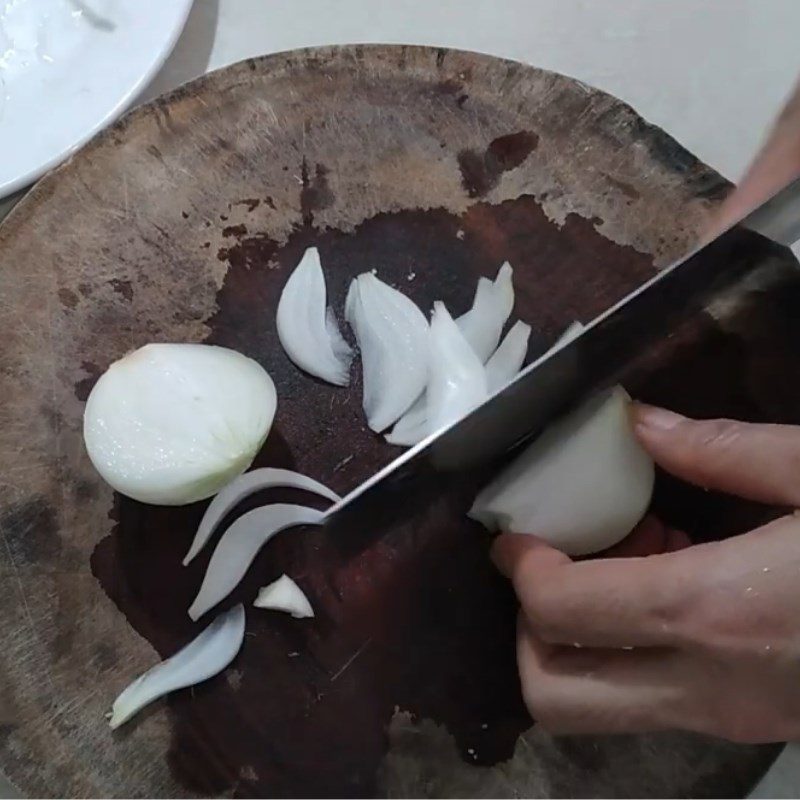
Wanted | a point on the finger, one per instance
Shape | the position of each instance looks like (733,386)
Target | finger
(614,602)
(676,540)
(648,538)
(759,462)
(569,690)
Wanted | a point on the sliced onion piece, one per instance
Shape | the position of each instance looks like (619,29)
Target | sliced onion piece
(205,656)
(581,486)
(307,328)
(392,334)
(457,378)
(240,544)
(173,423)
(507,360)
(572,332)
(244,486)
(483,324)
(284,595)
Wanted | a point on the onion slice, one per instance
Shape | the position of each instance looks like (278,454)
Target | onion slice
(240,544)
(457,378)
(307,329)
(507,360)
(483,324)
(244,486)
(392,334)
(205,656)
(284,595)
(572,331)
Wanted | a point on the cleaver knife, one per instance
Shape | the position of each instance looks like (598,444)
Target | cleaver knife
(496,430)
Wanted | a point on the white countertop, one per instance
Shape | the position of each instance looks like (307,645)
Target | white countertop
(713,74)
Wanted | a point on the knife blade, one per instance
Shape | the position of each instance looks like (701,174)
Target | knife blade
(513,416)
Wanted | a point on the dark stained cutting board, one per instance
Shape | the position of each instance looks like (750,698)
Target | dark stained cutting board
(181,223)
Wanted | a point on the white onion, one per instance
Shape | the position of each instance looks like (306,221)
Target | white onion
(507,360)
(173,423)
(456,377)
(240,544)
(284,595)
(483,324)
(205,656)
(392,335)
(307,328)
(572,331)
(581,486)
(244,486)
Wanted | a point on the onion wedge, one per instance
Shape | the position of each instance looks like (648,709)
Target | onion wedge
(581,486)
(205,656)
(239,545)
(244,486)
(392,334)
(307,329)
(569,334)
(507,360)
(483,324)
(457,378)
(284,595)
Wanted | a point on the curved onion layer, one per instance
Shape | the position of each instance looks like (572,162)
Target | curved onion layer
(457,378)
(174,423)
(284,595)
(205,656)
(412,427)
(240,544)
(307,328)
(507,360)
(392,334)
(244,486)
(581,486)
(483,324)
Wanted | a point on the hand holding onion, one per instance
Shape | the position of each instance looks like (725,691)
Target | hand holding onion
(704,638)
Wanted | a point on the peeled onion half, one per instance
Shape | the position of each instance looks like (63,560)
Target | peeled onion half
(174,423)
(581,486)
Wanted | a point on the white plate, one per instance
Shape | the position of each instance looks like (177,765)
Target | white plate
(68,68)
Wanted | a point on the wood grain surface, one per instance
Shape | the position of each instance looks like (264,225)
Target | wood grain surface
(181,223)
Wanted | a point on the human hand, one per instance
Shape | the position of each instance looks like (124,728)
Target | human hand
(704,638)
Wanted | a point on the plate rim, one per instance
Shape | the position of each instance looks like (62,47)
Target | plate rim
(122,105)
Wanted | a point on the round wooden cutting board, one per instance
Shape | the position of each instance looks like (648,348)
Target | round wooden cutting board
(181,223)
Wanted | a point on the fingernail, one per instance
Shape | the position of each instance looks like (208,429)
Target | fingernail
(653,418)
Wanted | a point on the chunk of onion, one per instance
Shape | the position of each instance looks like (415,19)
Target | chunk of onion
(307,328)
(392,335)
(284,595)
(483,324)
(205,656)
(456,377)
(244,486)
(173,423)
(507,360)
(581,486)
(240,544)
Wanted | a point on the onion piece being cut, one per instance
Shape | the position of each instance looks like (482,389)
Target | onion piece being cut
(581,486)
(572,331)
(173,423)
(457,378)
(507,360)
(284,595)
(244,486)
(392,334)
(240,544)
(483,324)
(307,328)
(205,656)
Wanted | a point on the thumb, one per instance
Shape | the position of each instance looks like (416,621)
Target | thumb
(758,462)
